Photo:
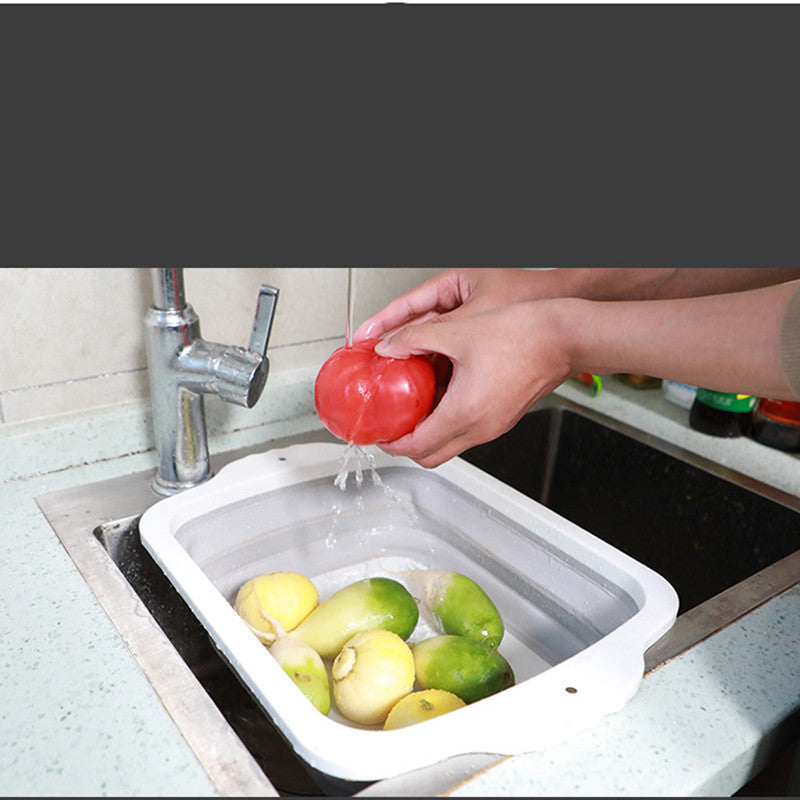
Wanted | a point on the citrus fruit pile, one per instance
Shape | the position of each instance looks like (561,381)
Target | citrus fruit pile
(375,676)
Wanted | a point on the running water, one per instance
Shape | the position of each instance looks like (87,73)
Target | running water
(355,457)
(351,302)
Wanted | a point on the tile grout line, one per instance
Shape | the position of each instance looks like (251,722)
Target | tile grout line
(133,371)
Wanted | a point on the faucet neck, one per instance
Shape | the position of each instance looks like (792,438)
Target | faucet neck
(182,367)
(168,291)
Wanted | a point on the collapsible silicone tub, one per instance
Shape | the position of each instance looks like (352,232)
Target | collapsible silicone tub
(578,613)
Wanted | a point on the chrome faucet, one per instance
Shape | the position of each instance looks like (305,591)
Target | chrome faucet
(183,367)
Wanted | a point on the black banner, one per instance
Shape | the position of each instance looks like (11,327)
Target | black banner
(399,135)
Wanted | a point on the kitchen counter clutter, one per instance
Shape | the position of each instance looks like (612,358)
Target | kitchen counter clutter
(79,717)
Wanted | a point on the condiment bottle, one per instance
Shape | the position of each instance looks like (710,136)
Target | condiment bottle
(721,413)
(776,423)
(639,381)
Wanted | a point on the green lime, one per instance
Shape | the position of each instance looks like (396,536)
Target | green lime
(471,670)
(458,605)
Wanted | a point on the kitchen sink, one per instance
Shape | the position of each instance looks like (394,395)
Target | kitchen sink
(726,543)
(704,531)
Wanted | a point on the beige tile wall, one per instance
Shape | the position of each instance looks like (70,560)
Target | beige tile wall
(71,339)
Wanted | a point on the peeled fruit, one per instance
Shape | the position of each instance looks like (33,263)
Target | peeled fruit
(458,605)
(471,670)
(372,672)
(370,604)
(275,602)
(304,666)
(419,706)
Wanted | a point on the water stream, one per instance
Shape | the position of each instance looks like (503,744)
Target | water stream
(355,458)
(351,302)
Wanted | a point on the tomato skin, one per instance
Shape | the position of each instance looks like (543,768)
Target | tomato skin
(364,398)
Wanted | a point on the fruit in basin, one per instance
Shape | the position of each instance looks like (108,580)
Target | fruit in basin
(372,672)
(364,398)
(274,603)
(471,670)
(457,605)
(304,666)
(419,706)
(362,606)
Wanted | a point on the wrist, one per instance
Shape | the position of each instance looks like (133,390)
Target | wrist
(569,332)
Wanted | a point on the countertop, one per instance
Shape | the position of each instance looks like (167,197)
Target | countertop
(78,717)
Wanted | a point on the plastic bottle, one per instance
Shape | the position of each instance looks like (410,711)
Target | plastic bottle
(682,394)
(639,381)
(776,423)
(594,382)
(722,413)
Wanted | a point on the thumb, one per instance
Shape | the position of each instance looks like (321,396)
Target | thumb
(412,340)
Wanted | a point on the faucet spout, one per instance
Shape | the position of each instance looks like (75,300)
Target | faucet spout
(235,374)
(183,367)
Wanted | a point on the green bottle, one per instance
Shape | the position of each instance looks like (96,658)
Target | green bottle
(722,413)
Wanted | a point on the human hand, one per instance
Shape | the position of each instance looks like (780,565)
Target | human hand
(503,360)
(455,293)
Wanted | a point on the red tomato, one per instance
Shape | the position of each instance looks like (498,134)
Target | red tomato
(364,398)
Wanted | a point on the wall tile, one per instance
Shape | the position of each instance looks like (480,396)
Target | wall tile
(74,395)
(72,338)
(62,324)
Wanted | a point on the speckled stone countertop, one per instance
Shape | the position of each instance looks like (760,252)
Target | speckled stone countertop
(78,717)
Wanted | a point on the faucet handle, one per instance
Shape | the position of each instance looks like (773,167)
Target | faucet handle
(239,375)
(262,324)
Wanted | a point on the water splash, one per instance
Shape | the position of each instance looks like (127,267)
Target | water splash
(355,457)
(330,539)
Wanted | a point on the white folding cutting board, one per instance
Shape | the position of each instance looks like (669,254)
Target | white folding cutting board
(579,613)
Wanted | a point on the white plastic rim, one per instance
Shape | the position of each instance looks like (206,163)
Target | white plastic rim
(562,700)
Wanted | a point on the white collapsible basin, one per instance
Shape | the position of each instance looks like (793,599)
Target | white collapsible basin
(578,613)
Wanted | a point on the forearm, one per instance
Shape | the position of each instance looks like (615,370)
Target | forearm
(730,343)
(463,292)
(633,283)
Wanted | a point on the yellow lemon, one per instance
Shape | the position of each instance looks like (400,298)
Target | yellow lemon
(419,706)
(276,602)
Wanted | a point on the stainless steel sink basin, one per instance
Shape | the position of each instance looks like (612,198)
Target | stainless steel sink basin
(702,526)
(726,542)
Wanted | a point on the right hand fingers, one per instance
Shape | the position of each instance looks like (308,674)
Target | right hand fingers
(416,339)
(439,294)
